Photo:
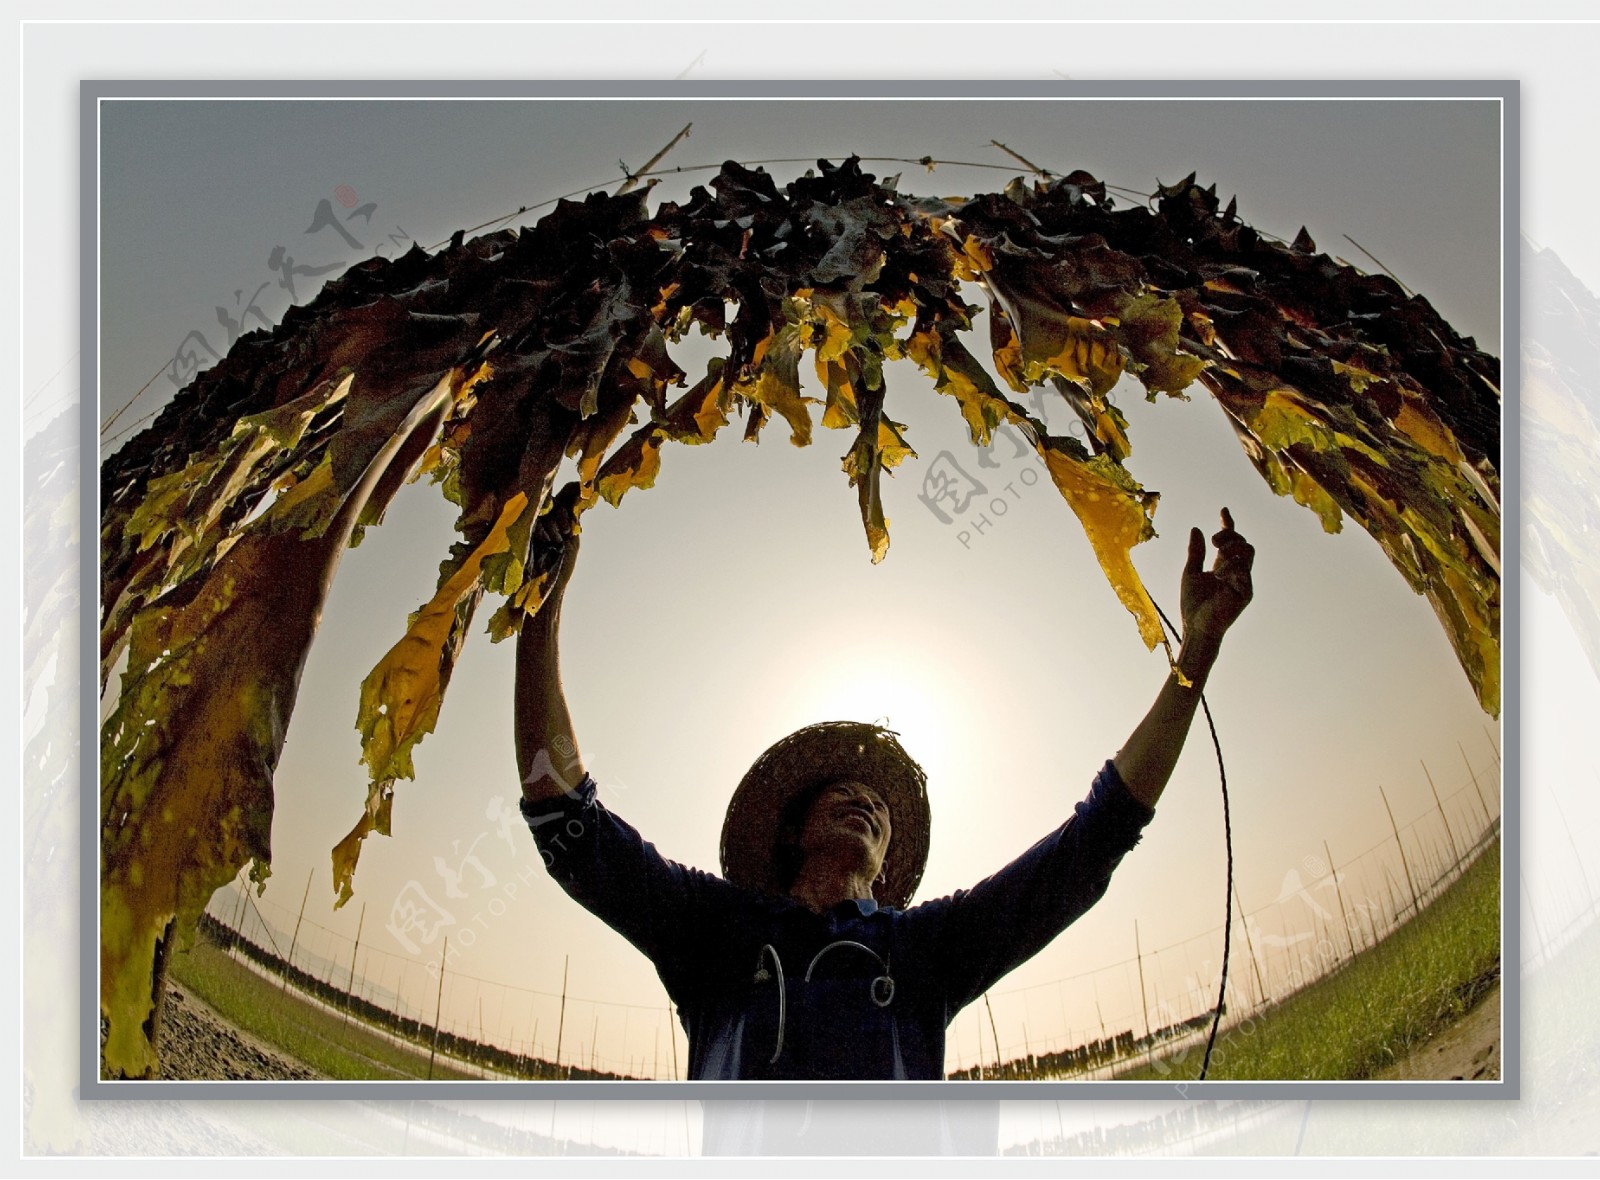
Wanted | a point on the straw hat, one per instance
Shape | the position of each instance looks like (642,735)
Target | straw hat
(816,755)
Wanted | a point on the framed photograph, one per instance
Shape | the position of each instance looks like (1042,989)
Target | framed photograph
(1026,561)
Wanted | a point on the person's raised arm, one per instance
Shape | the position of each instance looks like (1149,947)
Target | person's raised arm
(976,936)
(1211,601)
(547,752)
(672,913)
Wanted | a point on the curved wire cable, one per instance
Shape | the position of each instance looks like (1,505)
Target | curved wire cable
(1227,836)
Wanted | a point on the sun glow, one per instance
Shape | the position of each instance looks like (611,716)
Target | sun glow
(917,699)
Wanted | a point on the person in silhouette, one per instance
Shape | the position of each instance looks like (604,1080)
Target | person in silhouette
(805,958)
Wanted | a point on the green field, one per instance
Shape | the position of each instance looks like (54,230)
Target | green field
(1377,1007)
(1349,1025)
(330,1045)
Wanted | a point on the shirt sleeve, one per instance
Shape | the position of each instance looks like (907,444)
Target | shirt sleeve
(975,936)
(663,908)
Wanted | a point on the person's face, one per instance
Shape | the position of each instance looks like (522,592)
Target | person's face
(848,815)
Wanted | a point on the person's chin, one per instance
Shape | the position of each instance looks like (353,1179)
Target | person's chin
(861,828)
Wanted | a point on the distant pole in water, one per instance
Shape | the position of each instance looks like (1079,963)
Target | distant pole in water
(995,1032)
(1488,820)
(561,1027)
(1144,1003)
(351,986)
(288,960)
(1404,863)
(438,1000)
(238,918)
(1249,944)
(1338,892)
(1394,901)
(1455,851)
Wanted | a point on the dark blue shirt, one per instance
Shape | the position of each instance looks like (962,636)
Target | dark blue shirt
(766,988)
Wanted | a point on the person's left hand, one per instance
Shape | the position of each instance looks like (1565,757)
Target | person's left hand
(1212,600)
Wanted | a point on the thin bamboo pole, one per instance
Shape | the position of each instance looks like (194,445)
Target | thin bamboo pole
(1404,863)
(438,1001)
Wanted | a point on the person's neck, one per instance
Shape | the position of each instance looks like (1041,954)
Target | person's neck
(820,888)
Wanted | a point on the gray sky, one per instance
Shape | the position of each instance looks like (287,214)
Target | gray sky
(705,619)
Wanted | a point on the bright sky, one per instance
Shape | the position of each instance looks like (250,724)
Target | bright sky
(735,601)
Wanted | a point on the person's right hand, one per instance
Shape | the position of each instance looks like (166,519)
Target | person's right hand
(555,544)
(1213,600)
